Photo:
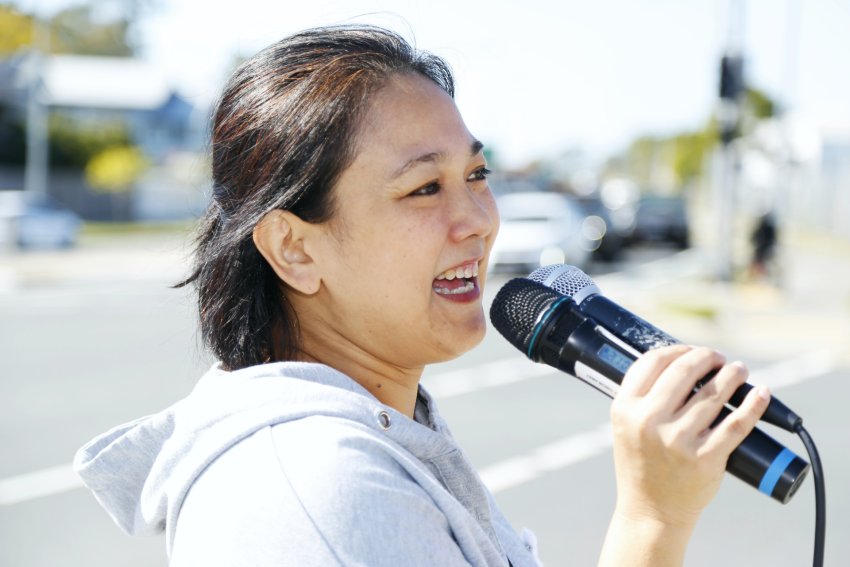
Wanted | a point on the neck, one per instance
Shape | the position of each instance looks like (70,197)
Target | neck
(391,385)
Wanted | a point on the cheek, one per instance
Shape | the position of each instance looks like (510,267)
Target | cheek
(399,254)
(497,221)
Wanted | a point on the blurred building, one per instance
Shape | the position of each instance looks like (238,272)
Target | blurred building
(106,89)
(102,92)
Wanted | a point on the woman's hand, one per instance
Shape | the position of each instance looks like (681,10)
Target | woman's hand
(669,461)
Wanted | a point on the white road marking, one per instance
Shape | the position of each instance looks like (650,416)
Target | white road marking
(488,375)
(560,454)
(795,370)
(39,483)
(506,474)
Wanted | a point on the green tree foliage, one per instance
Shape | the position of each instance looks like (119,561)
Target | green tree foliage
(685,153)
(73,144)
(79,29)
(758,104)
(640,159)
(15,30)
(690,150)
(76,30)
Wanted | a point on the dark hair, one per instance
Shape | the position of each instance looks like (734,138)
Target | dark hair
(283,131)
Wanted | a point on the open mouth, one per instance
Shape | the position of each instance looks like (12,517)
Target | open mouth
(457,281)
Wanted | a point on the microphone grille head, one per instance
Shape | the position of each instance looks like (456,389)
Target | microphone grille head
(517,308)
(565,279)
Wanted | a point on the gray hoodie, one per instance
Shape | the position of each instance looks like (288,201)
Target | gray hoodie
(297,464)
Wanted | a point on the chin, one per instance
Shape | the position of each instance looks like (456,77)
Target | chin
(465,342)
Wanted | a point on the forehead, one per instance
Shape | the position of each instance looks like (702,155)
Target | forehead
(408,117)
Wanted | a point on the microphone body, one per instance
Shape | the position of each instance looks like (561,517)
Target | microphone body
(550,328)
(637,334)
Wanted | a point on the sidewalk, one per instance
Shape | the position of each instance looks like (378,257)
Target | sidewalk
(160,256)
(809,311)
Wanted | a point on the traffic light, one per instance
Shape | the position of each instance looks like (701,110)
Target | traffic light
(731,77)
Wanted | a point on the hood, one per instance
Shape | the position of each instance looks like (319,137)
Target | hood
(141,471)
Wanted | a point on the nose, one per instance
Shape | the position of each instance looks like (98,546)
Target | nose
(474,214)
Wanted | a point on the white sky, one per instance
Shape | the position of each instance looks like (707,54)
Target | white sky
(536,77)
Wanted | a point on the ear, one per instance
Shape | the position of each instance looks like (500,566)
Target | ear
(279,236)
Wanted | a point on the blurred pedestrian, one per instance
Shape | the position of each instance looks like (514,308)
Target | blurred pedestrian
(763,240)
(345,247)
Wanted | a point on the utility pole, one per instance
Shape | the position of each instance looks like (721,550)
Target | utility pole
(37,167)
(729,119)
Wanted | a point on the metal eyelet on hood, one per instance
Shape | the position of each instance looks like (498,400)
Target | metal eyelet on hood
(383,419)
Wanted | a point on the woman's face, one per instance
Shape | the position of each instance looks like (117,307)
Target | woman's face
(404,258)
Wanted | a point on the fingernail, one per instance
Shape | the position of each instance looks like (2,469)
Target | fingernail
(763,392)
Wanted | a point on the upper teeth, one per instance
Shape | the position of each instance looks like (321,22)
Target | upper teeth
(468,271)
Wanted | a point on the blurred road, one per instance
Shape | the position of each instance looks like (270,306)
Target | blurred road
(93,337)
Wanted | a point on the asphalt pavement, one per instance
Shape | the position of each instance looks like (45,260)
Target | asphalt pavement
(92,336)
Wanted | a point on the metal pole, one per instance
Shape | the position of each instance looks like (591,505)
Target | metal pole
(36,167)
(729,116)
(726,212)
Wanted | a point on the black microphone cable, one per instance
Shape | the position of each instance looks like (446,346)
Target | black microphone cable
(820,495)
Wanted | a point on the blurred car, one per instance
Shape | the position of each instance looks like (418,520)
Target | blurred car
(661,219)
(539,228)
(38,222)
(599,226)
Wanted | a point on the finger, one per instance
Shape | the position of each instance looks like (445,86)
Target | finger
(677,382)
(730,432)
(643,373)
(701,410)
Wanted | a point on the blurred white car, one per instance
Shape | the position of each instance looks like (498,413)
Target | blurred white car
(36,222)
(540,228)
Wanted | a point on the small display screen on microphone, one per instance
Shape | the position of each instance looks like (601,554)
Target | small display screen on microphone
(615,358)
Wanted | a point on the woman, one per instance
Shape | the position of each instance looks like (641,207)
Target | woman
(344,249)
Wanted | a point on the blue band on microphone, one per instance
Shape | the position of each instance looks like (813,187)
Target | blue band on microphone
(541,323)
(775,470)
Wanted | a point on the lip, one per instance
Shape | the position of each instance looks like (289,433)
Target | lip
(472,295)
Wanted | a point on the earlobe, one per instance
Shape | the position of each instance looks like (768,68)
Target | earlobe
(279,237)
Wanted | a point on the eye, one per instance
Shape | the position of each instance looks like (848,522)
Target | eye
(479,174)
(431,188)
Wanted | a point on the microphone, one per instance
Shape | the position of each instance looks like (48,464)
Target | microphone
(635,333)
(549,327)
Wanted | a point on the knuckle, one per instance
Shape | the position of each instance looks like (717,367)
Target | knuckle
(687,365)
(704,351)
(665,352)
(740,372)
(737,427)
(732,376)
(679,442)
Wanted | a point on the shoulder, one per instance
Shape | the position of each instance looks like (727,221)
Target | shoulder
(339,466)
(317,490)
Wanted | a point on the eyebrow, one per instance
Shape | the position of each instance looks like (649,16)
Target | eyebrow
(431,157)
